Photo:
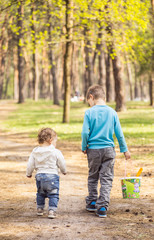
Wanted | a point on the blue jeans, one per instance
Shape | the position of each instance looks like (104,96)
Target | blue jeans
(47,187)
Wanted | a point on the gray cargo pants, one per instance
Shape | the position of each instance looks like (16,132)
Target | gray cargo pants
(101,166)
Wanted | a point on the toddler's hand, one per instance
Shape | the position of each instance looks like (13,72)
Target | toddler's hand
(65,173)
(29,176)
(127,155)
(85,151)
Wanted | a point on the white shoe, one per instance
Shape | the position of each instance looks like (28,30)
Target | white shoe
(40,212)
(51,214)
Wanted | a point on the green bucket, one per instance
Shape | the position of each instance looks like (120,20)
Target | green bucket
(131,187)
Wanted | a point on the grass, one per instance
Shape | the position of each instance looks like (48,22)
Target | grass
(137,122)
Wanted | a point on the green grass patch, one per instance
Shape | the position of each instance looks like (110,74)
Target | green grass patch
(137,122)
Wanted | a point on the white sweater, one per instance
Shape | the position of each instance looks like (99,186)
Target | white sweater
(46,160)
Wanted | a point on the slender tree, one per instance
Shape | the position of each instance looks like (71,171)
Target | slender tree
(3,49)
(88,59)
(108,78)
(35,71)
(67,60)
(51,58)
(117,73)
(136,87)
(129,74)
(119,84)
(20,51)
(151,76)
(101,56)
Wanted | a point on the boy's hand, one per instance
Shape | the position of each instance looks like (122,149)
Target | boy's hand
(127,155)
(65,173)
(85,151)
(29,176)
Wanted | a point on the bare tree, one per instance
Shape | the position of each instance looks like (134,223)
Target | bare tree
(109,86)
(136,87)
(3,43)
(51,59)
(88,78)
(20,51)
(151,77)
(67,60)
(35,70)
(129,74)
(119,84)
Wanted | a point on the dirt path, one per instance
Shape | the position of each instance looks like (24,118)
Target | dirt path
(127,219)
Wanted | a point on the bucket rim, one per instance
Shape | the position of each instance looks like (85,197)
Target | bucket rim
(130,178)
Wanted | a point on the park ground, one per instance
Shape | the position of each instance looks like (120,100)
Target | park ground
(127,218)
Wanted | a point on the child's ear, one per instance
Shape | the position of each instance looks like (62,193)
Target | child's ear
(50,140)
(90,96)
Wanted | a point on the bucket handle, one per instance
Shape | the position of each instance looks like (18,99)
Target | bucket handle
(125,168)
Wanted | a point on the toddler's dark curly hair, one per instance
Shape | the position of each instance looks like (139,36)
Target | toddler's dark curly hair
(45,134)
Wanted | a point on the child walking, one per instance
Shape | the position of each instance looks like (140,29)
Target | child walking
(100,123)
(46,160)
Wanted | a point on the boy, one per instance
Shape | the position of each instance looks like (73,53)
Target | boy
(46,160)
(100,122)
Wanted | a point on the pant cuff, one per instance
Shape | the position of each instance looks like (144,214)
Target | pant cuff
(53,208)
(89,200)
(40,206)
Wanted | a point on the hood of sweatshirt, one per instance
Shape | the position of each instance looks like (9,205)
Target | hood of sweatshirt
(42,153)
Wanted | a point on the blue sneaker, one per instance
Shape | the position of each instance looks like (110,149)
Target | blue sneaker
(101,212)
(91,207)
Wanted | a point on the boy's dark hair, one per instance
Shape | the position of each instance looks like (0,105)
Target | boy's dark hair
(96,91)
(45,134)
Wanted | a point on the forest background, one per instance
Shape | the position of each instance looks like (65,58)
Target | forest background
(55,49)
(51,51)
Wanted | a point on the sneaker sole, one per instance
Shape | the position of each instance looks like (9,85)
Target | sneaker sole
(39,214)
(52,217)
(91,210)
(101,216)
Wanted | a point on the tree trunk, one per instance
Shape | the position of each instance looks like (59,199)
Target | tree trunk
(51,59)
(117,69)
(88,62)
(142,89)
(129,74)
(20,52)
(108,78)
(15,66)
(101,58)
(72,71)
(35,71)
(136,87)
(101,62)
(44,77)
(119,84)
(42,82)
(152,60)
(54,79)
(60,60)
(28,69)
(2,55)
(7,77)
(151,88)
(2,70)
(37,75)
(74,68)
(67,60)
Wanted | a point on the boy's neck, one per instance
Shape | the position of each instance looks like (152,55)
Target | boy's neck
(45,144)
(99,102)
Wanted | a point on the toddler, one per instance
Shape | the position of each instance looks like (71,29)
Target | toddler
(46,160)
